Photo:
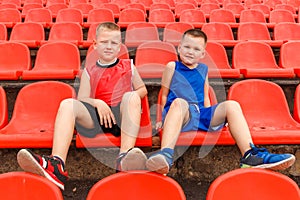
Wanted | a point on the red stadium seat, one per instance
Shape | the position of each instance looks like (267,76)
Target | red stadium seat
(220,32)
(99,15)
(138,6)
(8,5)
(193,16)
(144,138)
(179,7)
(286,31)
(55,7)
(113,7)
(151,58)
(173,32)
(51,2)
(296,112)
(3,108)
(140,32)
(160,17)
(121,3)
(272,3)
(252,15)
(265,9)
(30,33)
(266,111)
(256,31)
(289,58)
(40,15)
(286,7)
(139,184)
(217,62)
(236,8)
(91,35)
(256,60)
(159,6)
(253,184)
(197,138)
(32,122)
(248,3)
(171,3)
(55,60)
(85,8)
(10,17)
(69,15)
(23,185)
(10,67)
(130,15)
(207,8)
(146,3)
(280,15)
(29,6)
(223,15)
(3,32)
(75,2)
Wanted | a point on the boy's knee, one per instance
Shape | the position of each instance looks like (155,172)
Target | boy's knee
(179,104)
(66,104)
(131,98)
(234,105)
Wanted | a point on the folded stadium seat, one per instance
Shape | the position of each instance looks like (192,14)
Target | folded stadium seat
(29,6)
(10,17)
(273,3)
(289,58)
(70,15)
(255,59)
(66,32)
(99,15)
(144,138)
(140,32)
(74,2)
(179,7)
(137,185)
(121,3)
(296,111)
(3,108)
(236,8)
(197,138)
(146,3)
(256,31)
(8,5)
(23,185)
(55,60)
(253,184)
(151,58)
(193,16)
(40,15)
(130,15)
(285,31)
(268,116)
(113,7)
(160,17)
(10,67)
(171,3)
(55,7)
(159,6)
(223,15)
(85,9)
(140,6)
(30,33)
(217,61)
(280,15)
(252,15)
(3,32)
(206,8)
(220,32)
(262,7)
(32,122)
(173,32)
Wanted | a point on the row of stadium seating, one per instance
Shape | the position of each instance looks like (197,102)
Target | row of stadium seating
(33,34)
(61,60)
(160,17)
(264,106)
(231,185)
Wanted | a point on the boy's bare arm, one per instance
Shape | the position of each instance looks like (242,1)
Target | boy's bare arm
(206,93)
(138,84)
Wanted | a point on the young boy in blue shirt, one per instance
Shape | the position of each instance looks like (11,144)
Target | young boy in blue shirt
(186,107)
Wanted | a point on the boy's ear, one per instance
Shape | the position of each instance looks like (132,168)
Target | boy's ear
(94,44)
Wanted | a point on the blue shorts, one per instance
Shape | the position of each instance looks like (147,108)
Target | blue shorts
(200,119)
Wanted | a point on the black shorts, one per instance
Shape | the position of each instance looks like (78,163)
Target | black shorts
(115,130)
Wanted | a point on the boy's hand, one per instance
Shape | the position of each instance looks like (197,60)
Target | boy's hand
(105,114)
(158,125)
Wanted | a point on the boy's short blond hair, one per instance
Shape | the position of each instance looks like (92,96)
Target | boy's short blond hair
(195,33)
(111,26)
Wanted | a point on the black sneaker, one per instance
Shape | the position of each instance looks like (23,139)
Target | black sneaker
(261,158)
(46,166)
(133,159)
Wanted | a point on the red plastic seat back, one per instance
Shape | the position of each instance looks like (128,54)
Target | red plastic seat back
(23,185)
(252,15)
(3,108)
(222,15)
(173,31)
(287,31)
(253,31)
(248,184)
(27,31)
(66,31)
(263,103)
(281,15)
(297,104)
(137,185)
(217,53)
(288,55)
(217,31)
(69,15)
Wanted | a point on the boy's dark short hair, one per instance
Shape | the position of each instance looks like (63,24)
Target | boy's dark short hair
(195,33)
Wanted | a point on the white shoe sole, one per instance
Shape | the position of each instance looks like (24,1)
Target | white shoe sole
(282,165)
(158,164)
(135,159)
(28,163)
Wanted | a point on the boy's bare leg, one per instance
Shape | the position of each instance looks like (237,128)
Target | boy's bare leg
(69,111)
(239,129)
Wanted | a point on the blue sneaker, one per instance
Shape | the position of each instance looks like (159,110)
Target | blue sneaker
(161,162)
(261,158)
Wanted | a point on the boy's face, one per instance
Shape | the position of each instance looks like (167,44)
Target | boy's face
(108,45)
(191,50)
